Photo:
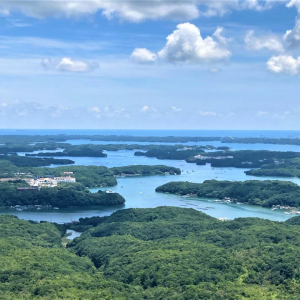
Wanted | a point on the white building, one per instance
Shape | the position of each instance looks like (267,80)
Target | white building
(67,179)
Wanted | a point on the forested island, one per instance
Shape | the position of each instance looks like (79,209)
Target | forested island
(145,170)
(266,193)
(60,197)
(90,150)
(77,150)
(262,140)
(287,168)
(156,253)
(243,158)
(23,161)
(171,154)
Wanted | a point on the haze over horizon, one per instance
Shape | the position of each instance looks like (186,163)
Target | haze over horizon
(150,65)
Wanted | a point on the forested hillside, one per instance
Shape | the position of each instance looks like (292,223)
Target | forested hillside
(160,253)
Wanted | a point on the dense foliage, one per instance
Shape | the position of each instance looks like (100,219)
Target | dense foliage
(263,140)
(170,154)
(18,146)
(201,258)
(164,253)
(96,150)
(89,176)
(76,150)
(64,196)
(245,158)
(23,161)
(264,193)
(35,265)
(288,168)
(144,170)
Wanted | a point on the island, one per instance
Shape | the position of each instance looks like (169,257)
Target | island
(174,154)
(284,168)
(23,161)
(145,170)
(267,193)
(20,197)
(91,150)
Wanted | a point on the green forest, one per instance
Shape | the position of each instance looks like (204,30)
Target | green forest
(163,253)
(263,193)
(289,168)
(64,196)
(23,161)
(145,170)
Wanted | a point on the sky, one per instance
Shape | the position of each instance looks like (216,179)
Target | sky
(150,64)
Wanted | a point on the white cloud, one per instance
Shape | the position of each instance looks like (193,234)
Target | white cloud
(284,64)
(292,37)
(131,10)
(176,109)
(186,44)
(96,109)
(269,42)
(294,3)
(261,113)
(207,113)
(142,56)
(218,35)
(69,65)
(145,108)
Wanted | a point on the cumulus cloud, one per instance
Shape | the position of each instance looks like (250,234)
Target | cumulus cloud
(269,42)
(294,3)
(131,10)
(185,44)
(68,65)
(218,35)
(284,64)
(292,37)
(142,56)
(145,108)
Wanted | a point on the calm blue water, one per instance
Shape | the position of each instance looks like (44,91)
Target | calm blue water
(140,191)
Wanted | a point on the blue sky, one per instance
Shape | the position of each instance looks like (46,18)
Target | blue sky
(95,64)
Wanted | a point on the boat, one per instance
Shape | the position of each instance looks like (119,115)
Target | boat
(55,208)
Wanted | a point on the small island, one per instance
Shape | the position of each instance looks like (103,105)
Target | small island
(17,195)
(145,170)
(268,193)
